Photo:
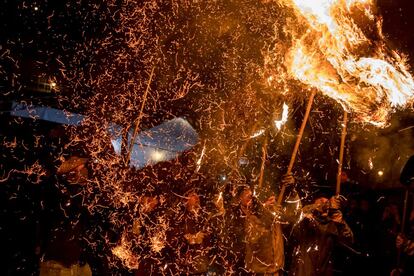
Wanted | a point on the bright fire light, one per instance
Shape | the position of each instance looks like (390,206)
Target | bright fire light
(284,119)
(337,56)
(157,156)
(257,133)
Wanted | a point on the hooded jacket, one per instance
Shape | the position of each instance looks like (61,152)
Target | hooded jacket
(315,237)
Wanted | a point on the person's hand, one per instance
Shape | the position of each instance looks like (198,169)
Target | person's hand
(278,212)
(195,238)
(399,241)
(199,237)
(337,202)
(336,216)
(288,180)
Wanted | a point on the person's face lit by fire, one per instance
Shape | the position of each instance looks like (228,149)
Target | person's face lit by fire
(322,205)
(193,201)
(246,198)
(78,175)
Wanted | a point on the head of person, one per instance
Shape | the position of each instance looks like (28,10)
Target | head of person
(322,205)
(149,203)
(193,201)
(74,170)
(245,196)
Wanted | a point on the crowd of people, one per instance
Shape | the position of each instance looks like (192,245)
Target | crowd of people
(191,230)
(233,234)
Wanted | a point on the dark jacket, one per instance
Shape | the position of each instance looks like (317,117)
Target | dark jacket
(315,237)
(190,241)
(264,237)
(63,226)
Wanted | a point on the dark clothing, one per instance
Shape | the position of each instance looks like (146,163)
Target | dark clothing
(63,226)
(315,238)
(233,242)
(64,245)
(192,241)
(264,242)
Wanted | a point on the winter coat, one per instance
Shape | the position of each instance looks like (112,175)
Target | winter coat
(264,238)
(315,237)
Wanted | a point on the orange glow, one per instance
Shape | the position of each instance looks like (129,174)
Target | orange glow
(285,114)
(338,56)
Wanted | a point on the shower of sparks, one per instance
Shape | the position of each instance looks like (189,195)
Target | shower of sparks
(125,254)
(226,67)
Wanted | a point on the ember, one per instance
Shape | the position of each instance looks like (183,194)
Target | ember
(207,137)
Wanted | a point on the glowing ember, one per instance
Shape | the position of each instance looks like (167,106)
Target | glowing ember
(257,133)
(370,163)
(337,55)
(201,158)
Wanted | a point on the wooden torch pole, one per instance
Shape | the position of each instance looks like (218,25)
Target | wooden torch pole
(264,153)
(138,121)
(296,148)
(341,154)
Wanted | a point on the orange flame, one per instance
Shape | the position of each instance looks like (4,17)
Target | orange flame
(343,54)
(285,114)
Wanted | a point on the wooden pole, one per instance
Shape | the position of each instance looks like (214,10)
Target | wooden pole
(296,148)
(398,270)
(264,153)
(341,154)
(138,121)
(245,144)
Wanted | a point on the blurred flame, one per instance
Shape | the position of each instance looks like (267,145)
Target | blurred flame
(284,119)
(257,133)
(370,163)
(344,55)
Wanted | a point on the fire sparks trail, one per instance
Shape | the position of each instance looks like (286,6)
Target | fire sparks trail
(209,63)
(343,53)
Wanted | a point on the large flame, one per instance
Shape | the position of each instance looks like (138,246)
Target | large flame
(343,53)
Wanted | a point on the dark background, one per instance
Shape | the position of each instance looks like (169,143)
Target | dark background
(38,45)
